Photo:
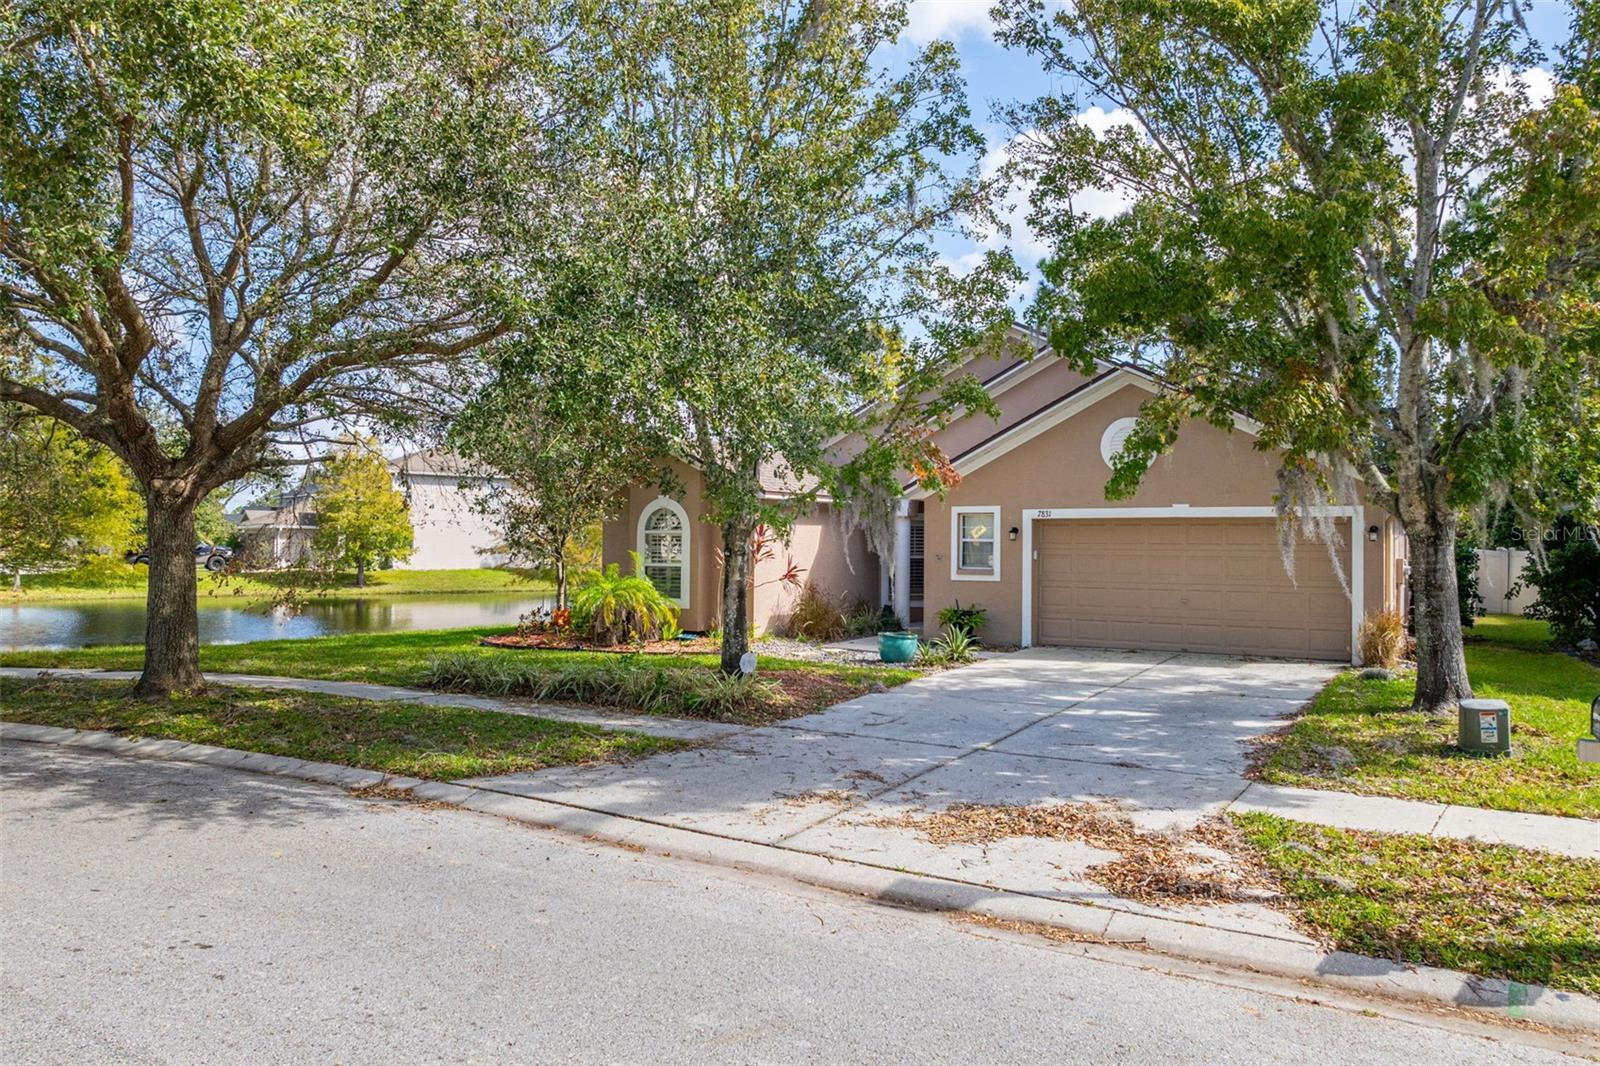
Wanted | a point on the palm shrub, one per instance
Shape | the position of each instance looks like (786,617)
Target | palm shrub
(610,608)
(953,648)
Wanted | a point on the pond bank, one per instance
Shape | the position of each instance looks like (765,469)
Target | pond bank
(40,589)
(235,620)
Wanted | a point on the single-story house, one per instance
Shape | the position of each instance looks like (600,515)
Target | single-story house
(449,531)
(1191,562)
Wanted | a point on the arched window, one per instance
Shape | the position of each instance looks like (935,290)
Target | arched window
(664,547)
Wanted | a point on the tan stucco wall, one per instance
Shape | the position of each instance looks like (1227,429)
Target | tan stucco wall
(837,563)
(1063,468)
(621,536)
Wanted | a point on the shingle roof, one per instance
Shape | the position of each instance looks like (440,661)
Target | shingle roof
(430,461)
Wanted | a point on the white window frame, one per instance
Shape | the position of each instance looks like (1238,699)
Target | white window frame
(683,516)
(1358,546)
(956,571)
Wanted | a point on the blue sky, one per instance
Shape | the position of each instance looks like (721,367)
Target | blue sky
(996,75)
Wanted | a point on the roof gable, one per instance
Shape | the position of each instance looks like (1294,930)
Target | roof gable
(1110,379)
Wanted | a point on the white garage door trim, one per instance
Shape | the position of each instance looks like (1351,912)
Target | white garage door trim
(1358,550)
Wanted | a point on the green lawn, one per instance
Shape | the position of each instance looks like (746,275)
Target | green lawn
(1360,736)
(397,658)
(1487,909)
(116,585)
(798,686)
(438,743)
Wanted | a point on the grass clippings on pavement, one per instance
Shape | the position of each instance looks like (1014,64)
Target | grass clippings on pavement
(1203,864)
(1360,735)
(837,796)
(1487,909)
(397,737)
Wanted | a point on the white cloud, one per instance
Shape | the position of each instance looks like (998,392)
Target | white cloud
(1095,202)
(932,20)
(1538,84)
(1099,120)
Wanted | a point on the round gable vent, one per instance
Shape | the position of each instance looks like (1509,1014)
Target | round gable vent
(1116,434)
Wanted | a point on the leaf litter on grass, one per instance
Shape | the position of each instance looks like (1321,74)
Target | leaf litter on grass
(1206,863)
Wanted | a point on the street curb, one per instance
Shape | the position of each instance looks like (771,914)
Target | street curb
(1277,956)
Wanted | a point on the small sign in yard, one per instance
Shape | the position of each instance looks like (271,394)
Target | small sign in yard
(747,663)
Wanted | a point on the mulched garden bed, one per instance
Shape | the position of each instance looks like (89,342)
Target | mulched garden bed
(558,642)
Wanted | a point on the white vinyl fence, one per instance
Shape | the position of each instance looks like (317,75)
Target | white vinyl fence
(1498,570)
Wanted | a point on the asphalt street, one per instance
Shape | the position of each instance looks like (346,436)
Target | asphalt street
(163,912)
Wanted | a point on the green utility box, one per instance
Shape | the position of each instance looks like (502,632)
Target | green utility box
(1484,727)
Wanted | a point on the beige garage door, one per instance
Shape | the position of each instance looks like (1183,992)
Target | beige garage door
(1213,585)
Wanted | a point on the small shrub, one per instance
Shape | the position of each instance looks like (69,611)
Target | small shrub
(627,683)
(816,616)
(1382,639)
(954,647)
(612,609)
(971,619)
(1568,580)
(864,620)
(714,694)
(544,620)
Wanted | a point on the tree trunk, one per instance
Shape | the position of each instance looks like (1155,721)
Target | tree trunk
(735,594)
(561,580)
(361,573)
(1436,618)
(171,623)
(16,582)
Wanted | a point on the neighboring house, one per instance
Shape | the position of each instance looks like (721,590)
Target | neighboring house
(1191,562)
(280,535)
(449,531)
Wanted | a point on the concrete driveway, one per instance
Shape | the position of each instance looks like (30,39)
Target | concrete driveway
(1164,734)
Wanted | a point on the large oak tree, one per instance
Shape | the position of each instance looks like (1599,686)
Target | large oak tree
(757,256)
(1350,222)
(249,219)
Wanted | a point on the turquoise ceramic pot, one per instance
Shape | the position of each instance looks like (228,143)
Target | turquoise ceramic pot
(897,647)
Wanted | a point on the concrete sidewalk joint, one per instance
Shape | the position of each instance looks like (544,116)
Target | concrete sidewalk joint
(1096,922)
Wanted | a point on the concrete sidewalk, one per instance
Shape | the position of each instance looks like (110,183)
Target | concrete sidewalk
(1577,837)
(1030,727)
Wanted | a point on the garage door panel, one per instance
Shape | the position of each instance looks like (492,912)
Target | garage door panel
(1186,584)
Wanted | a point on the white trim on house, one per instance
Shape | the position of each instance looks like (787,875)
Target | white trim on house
(1358,548)
(957,573)
(901,590)
(685,565)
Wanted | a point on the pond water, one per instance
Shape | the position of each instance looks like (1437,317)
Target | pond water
(72,625)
